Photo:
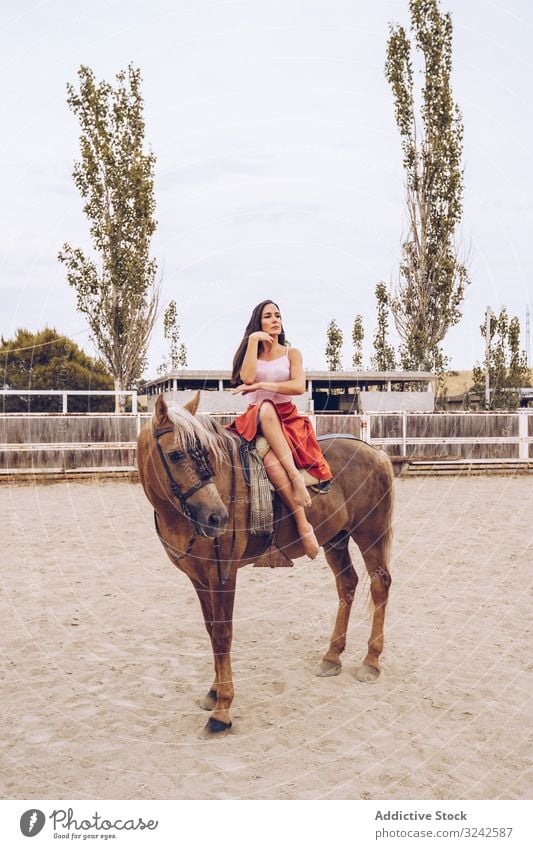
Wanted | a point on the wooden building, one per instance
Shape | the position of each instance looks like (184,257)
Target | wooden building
(326,392)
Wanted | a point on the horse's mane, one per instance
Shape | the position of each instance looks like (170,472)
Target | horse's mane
(189,429)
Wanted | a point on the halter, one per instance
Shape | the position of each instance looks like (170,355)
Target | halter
(200,457)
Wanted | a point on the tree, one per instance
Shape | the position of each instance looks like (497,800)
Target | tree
(358,335)
(384,358)
(518,376)
(507,364)
(47,360)
(432,279)
(177,350)
(334,346)
(116,179)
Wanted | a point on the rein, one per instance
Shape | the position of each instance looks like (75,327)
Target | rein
(203,466)
(206,474)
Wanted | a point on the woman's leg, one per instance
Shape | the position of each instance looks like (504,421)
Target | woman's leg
(271,430)
(277,474)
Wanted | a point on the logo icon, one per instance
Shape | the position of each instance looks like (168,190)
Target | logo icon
(32,822)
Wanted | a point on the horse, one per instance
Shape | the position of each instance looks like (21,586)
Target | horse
(193,477)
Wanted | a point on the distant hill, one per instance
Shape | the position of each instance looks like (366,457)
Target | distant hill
(459,382)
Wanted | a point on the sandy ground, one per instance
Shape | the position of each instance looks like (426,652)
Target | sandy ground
(105,658)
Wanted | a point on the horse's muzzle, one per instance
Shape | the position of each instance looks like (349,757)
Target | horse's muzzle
(212,523)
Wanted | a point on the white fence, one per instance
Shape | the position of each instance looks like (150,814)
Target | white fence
(490,436)
(42,443)
(65,393)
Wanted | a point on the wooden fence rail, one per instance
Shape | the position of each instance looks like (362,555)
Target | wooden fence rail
(104,441)
(481,436)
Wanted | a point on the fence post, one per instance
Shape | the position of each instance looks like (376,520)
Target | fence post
(523,446)
(134,401)
(364,427)
(65,402)
(404,432)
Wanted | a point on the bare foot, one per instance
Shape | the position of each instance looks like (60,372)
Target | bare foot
(301,495)
(310,542)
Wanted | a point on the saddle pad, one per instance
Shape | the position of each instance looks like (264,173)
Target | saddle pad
(261,511)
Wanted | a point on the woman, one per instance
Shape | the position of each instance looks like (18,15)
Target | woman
(269,372)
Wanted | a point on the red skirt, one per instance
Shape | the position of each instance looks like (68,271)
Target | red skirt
(298,432)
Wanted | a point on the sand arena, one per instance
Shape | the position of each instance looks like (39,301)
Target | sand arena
(105,657)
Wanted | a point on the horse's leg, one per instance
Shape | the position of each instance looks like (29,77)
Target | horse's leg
(346,579)
(222,600)
(376,557)
(204,596)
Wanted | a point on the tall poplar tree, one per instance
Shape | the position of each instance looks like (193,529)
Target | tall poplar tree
(334,346)
(177,354)
(358,336)
(115,287)
(432,278)
(384,357)
(507,364)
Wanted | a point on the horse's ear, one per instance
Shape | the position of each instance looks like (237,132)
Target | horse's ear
(192,405)
(161,411)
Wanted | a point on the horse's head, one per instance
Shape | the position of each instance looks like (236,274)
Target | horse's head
(185,471)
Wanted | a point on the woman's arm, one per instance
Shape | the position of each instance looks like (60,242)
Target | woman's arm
(249,364)
(294,386)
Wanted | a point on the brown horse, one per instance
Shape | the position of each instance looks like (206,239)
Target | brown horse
(191,474)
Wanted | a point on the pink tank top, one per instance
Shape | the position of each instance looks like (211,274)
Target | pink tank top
(273,371)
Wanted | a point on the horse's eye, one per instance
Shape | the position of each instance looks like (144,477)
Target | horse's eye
(176,456)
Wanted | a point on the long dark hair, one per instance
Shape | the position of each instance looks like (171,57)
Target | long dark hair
(253,325)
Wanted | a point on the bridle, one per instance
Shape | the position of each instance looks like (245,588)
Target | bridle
(200,458)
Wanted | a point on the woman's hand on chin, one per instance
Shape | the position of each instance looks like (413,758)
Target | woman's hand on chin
(266,338)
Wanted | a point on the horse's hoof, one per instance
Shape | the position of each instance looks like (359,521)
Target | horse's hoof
(366,674)
(216,728)
(327,668)
(210,701)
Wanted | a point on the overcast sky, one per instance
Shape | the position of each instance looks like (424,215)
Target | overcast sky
(279,168)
